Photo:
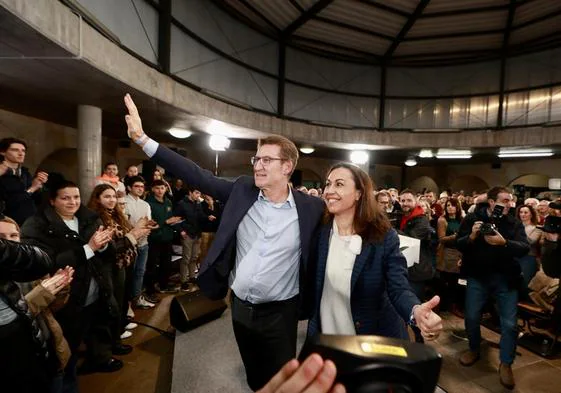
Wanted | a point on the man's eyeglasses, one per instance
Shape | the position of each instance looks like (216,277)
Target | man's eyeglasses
(264,160)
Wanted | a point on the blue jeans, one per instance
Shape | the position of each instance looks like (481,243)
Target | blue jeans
(529,268)
(477,292)
(139,270)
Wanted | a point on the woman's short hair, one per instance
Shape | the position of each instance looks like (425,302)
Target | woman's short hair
(59,185)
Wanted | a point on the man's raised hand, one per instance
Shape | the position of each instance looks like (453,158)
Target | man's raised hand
(134,123)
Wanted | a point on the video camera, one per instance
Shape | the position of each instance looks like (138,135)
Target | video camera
(378,364)
(552,224)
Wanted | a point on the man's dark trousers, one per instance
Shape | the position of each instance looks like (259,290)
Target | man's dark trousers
(266,336)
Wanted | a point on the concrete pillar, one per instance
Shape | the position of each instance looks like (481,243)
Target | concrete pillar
(89,149)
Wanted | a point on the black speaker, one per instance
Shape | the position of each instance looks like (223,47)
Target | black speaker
(194,309)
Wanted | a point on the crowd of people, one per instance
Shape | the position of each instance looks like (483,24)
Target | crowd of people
(108,256)
(329,255)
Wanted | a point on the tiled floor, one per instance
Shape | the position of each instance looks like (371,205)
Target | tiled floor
(533,374)
(148,368)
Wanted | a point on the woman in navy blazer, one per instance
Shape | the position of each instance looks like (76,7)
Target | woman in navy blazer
(361,284)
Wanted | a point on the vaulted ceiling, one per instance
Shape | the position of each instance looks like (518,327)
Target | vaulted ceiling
(406,32)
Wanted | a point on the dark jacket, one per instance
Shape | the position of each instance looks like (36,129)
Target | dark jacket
(161,211)
(381,298)
(178,195)
(194,216)
(551,258)
(20,262)
(238,196)
(418,226)
(66,247)
(479,258)
(216,211)
(19,204)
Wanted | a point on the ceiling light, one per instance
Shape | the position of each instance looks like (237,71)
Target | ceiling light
(453,154)
(426,153)
(180,133)
(359,157)
(410,162)
(307,149)
(513,153)
(218,142)
(554,184)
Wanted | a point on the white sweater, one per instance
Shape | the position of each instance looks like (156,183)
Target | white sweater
(335,307)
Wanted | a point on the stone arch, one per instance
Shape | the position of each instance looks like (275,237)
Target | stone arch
(424,182)
(65,162)
(469,183)
(531,180)
(309,176)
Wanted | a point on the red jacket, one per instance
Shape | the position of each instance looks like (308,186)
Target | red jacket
(418,211)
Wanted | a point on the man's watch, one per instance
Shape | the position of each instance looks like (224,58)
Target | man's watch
(412,321)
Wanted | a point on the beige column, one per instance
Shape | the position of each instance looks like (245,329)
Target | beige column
(89,149)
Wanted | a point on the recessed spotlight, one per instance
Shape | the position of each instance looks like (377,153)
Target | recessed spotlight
(410,162)
(307,149)
(180,133)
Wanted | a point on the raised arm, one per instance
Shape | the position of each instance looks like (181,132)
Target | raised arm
(184,168)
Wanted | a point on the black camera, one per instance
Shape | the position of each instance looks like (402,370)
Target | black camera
(372,364)
(487,229)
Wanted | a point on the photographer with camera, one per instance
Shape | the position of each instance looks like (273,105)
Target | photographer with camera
(490,241)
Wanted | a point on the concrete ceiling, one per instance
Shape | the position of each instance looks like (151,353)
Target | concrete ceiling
(40,79)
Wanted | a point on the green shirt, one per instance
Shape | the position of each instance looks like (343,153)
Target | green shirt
(161,211)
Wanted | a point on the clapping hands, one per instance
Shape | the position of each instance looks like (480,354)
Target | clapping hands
(100,238)
(61,279)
